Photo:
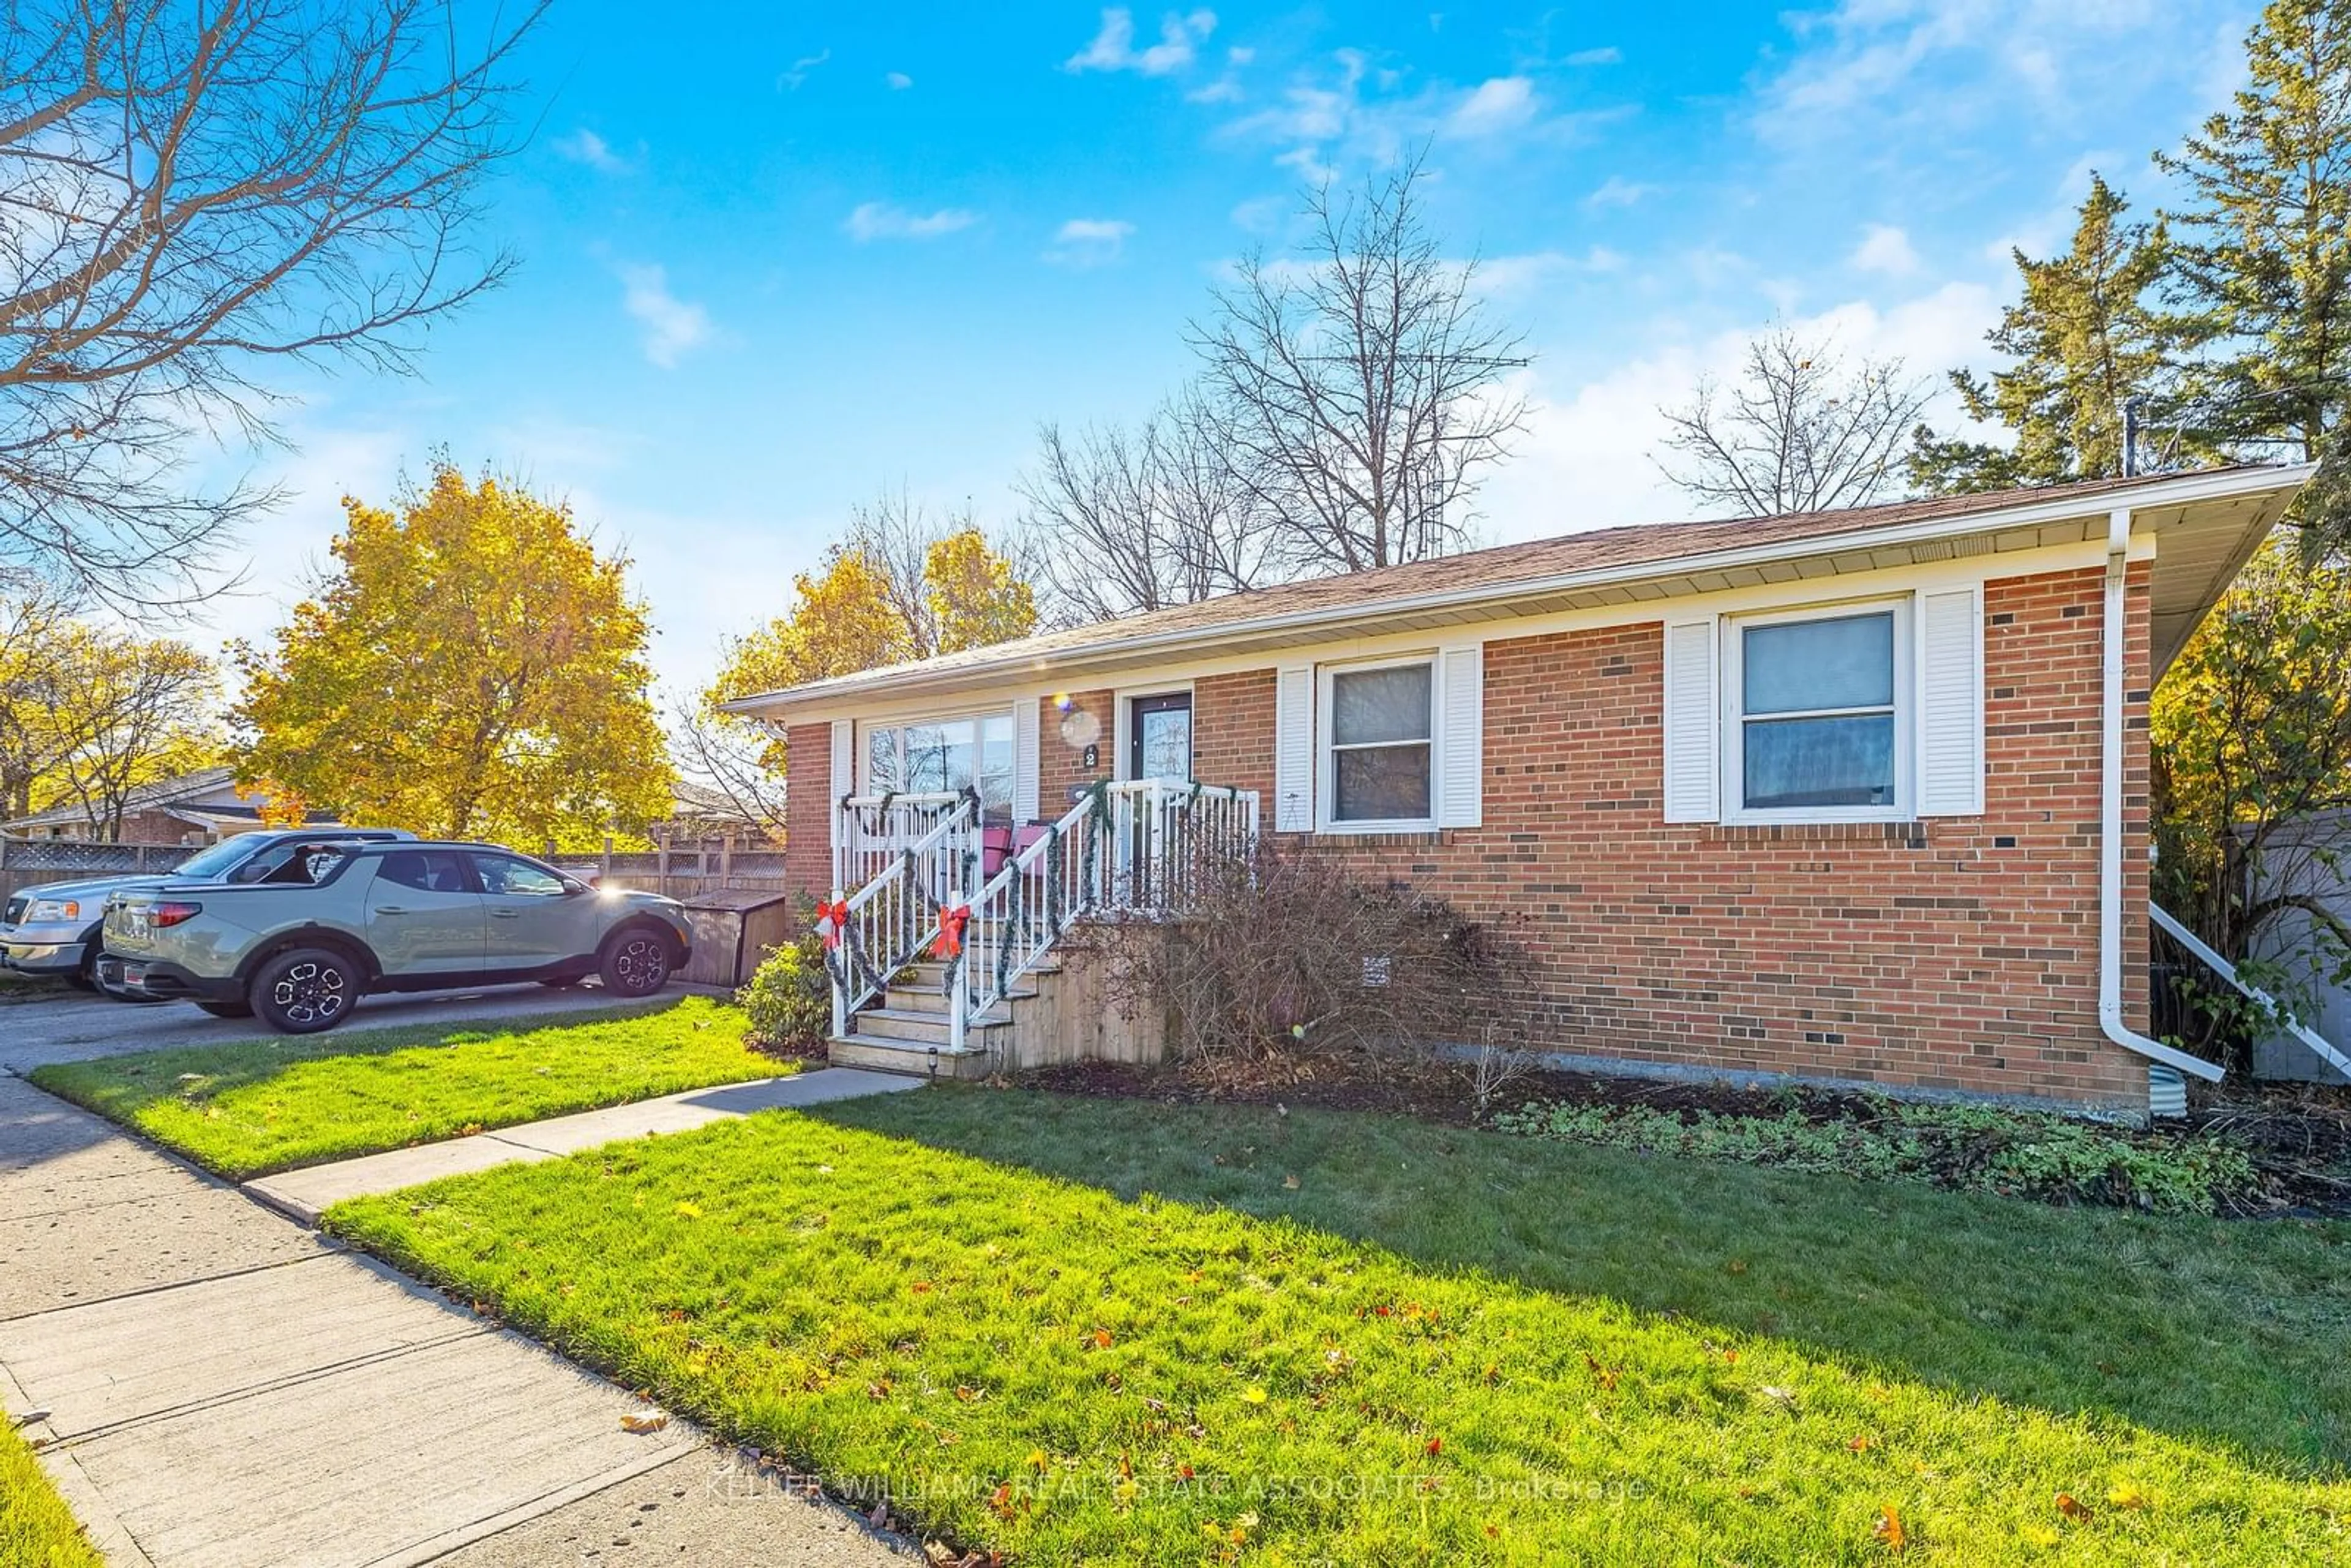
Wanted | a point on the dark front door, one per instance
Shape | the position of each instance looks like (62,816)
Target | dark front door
(1159,737)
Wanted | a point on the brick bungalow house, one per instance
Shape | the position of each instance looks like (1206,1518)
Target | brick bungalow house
(1851,795)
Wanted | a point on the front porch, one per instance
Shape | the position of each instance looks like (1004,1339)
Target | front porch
(946,928)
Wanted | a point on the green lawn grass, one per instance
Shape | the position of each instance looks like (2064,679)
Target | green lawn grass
(252,1107)
(37,1530)
(1090,1331)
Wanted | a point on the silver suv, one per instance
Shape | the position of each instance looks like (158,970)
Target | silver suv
(302,946)
(54,929)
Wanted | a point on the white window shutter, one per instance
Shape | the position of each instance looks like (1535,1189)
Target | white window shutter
(844,758)
(1950,706)
(1025,763)
(1293,749)
(1693,777)
(1460,736)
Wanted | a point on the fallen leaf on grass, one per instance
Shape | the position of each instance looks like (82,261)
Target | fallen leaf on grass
(1290,1182)
(1606,1377)
(1253,1396)
(644,1424)
(2072,1508)
(688,1210)
(2126,1496)
(1890,1530)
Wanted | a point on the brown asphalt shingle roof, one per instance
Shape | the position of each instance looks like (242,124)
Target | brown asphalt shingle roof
(1499,568)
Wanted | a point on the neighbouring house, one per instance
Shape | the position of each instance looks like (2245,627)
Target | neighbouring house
(199,808)
(1856,796)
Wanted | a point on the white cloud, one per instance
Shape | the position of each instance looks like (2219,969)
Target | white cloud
(671,326)
(1585,460)
(790,80)
(584,146)
(1114,49)
(1885,248)
(1089,242)
(1608,55)
(1503,103)
(899,81)
(881,220)
(1618,191)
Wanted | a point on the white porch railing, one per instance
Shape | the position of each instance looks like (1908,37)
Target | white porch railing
(1139,847)
(869,832)
(888,922)
(1132,847)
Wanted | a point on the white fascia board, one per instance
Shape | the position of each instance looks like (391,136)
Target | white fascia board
(2014,520)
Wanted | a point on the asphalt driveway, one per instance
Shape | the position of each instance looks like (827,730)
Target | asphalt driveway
(74,1025)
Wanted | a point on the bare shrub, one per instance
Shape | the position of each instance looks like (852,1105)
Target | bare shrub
(1288,960)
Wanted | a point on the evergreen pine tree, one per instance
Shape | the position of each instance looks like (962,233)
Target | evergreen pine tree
(2087,333)
(2265,244)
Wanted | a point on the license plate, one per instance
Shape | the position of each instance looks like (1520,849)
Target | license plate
(134,975)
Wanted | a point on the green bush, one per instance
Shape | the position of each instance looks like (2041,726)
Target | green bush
(787,998)
(1976,1148)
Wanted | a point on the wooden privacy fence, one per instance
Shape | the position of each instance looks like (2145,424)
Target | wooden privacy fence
(682,871)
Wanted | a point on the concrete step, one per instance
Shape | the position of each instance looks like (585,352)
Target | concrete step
(912,1057)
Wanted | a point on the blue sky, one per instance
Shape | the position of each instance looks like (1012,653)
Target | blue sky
(779,257)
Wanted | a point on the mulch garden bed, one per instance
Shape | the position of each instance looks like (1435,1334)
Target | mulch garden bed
(2298,1137)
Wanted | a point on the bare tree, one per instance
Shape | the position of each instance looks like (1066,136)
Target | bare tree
(1357,390)
(733,759)
(897,533)
(1122,521)
(188,195)
(1796,432)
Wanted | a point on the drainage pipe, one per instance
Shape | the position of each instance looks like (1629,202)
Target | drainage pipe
(2110,826)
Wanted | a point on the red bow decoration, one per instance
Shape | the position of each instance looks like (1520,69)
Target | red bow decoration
(951,924)
(832,920)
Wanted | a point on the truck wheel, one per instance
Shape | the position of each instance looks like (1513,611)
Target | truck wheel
(634,962)
(227,1009)
(305,990)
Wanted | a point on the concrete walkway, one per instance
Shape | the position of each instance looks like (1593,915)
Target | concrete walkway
(310,1191)
(217,1387)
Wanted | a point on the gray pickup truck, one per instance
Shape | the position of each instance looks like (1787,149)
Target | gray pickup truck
(299,947)
(54,929)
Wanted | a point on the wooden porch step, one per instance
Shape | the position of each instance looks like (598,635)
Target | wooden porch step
(930,974)
(933,1027)
(921,999)
(914,1059)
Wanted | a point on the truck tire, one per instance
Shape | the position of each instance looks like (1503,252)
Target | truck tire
(305,990)
(634,961)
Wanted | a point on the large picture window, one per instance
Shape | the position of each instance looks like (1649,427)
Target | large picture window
(1818,718)
(1379,745)
(946,753)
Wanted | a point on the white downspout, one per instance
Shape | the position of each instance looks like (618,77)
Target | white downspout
(2110,826)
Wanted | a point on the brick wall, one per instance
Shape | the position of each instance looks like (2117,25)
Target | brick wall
(1061,763)
(808,813)
(1958,953)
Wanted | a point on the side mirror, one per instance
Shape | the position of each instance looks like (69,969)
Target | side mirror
(571,887)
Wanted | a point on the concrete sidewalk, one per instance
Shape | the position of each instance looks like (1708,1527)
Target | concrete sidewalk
(307,1193)
(219,1387)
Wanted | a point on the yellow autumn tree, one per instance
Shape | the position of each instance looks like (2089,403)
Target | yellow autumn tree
(471,667)
(869,607)
(975,599)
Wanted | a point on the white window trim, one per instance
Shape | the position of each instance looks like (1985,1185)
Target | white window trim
(1326,783)
(862,737)
(1733,750)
